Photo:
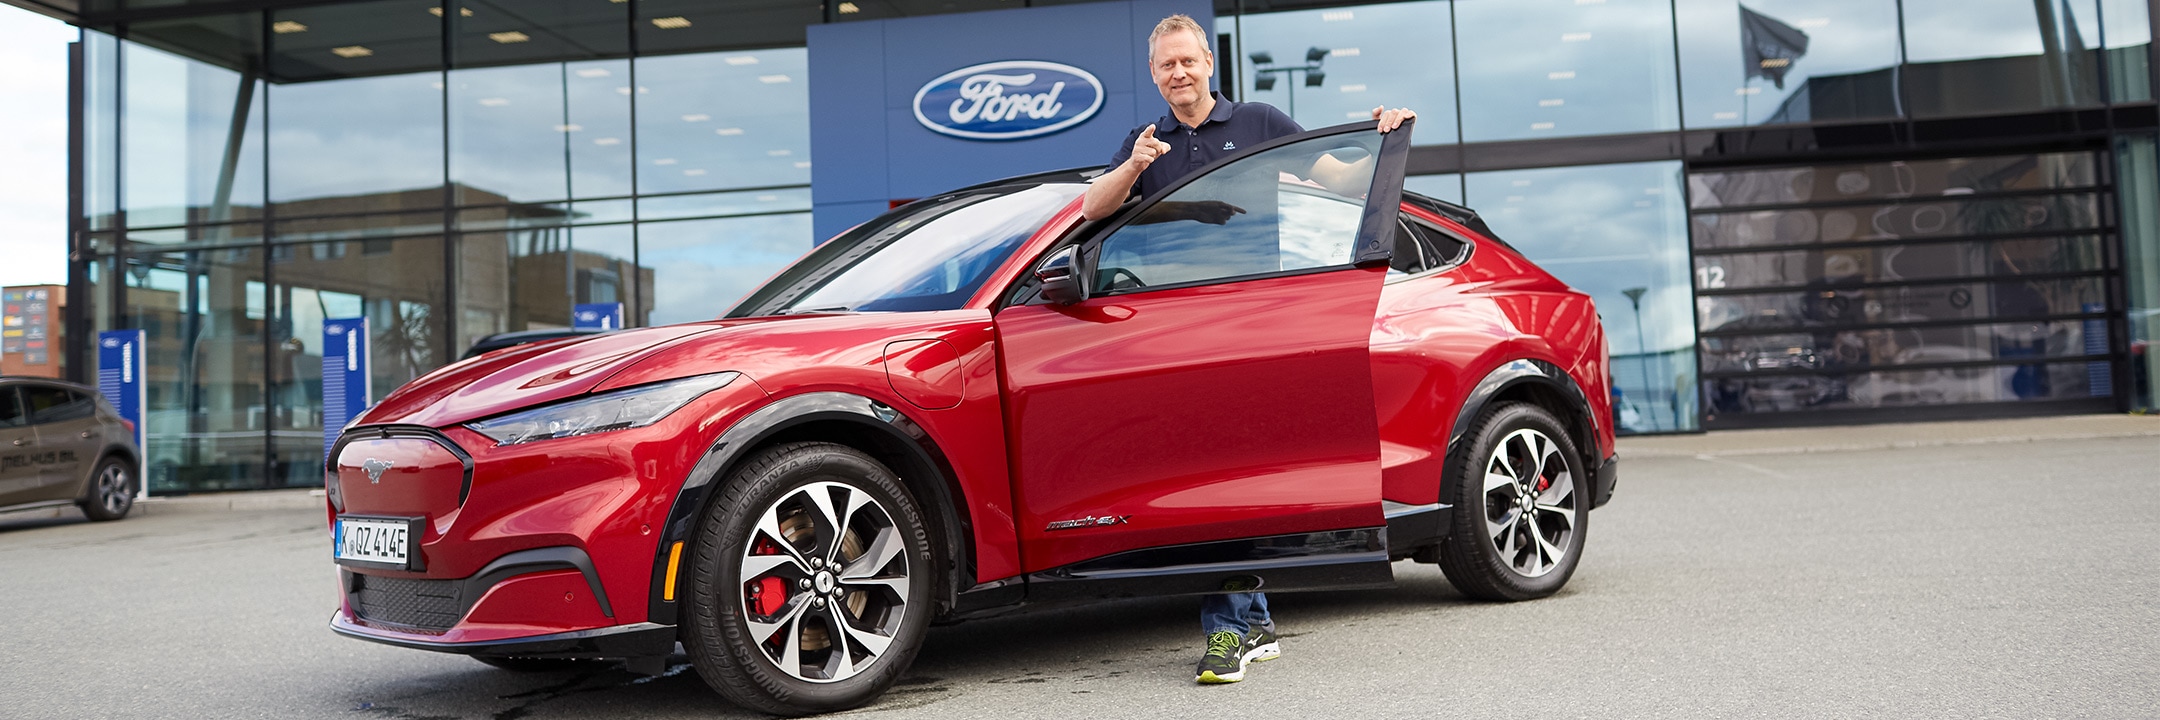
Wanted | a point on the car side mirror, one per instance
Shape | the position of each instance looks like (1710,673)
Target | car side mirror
(1060,277)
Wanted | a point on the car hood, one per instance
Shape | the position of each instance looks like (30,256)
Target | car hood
(526,375)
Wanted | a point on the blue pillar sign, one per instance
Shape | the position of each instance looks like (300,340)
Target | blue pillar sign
(120,380)
(597,316)
(345,378)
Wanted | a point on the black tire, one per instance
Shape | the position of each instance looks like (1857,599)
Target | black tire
(112,490)
(538,665)
(881,601)
(1490,553)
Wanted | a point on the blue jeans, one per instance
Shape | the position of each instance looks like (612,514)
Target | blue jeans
(1235,612)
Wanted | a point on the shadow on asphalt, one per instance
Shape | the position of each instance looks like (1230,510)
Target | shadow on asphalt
(1109,639)
(41,519)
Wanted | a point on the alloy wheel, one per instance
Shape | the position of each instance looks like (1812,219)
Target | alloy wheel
(113,491)
(824,582)
(1530,502)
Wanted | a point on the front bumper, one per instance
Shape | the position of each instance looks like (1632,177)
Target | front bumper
(636,640)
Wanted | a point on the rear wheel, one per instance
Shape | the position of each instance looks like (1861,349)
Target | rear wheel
(1520,508)
(112,490)
(810,583)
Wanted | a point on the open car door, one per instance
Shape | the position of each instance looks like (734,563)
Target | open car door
(1198,415)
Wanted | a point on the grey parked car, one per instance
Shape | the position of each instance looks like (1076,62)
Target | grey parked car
(61,443)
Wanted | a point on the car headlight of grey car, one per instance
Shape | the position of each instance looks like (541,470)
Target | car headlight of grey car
(616,410)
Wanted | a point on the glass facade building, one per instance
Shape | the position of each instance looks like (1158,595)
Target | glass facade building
(1789,211)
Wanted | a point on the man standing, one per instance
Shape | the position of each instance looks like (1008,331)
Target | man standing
(1202,126)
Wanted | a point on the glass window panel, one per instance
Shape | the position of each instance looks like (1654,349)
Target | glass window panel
(714,121)
(1929,261)
(1979,57)
(193,127)
(1552,68)
(1830,351)
(1902,179)
(1616,232)
(603,269)
(1787,61)
(1901,388)
(357,99)
(1913,303)
(595,212)
(398,284)
(700,268)
(1398,55)
(734,203)
(101,128)
(1899,221)
(499,217)
(2128,26)
(674,26)
(207,408)
(534,133)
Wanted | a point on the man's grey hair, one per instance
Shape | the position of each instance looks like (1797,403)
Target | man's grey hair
(1176,23)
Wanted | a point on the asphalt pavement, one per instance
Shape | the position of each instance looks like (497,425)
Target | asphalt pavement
(1951,570)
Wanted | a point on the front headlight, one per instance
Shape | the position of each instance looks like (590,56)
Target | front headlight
(628,408)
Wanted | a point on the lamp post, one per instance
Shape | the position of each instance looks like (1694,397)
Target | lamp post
(1642,349)
(1264,72)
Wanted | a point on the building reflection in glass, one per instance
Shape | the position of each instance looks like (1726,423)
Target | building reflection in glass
(1608,230)
(1398,55)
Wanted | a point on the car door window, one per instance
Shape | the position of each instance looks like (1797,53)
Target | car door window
(51,405)
(11,411)
(1291,208)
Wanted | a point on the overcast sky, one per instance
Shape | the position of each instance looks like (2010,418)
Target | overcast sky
(33,148)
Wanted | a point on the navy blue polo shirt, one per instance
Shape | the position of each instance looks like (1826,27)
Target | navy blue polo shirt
(1231,127)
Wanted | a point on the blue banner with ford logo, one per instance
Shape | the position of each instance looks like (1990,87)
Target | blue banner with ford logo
(1011,100)
(907,108)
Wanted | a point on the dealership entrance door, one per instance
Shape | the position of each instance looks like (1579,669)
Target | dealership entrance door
(1906,290)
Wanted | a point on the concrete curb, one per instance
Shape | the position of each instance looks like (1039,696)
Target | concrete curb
(241,501)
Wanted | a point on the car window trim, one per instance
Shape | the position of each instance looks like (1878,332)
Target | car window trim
(1461,258)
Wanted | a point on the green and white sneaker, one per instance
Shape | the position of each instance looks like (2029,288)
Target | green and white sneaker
(1224,661)
(1263,645)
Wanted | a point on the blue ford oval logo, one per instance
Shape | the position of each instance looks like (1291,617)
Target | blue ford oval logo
(1008,100)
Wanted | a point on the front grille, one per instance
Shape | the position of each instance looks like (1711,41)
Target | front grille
(423,604)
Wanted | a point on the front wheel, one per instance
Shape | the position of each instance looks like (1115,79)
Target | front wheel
(112,490)
(1520,509)
(810,582)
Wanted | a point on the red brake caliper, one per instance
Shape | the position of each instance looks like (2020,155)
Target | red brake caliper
(768,594)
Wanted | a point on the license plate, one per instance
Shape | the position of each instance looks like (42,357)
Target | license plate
(375,541)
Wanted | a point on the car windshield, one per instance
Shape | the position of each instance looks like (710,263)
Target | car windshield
(931,255)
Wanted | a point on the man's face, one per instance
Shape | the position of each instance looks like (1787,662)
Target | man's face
(1181,66)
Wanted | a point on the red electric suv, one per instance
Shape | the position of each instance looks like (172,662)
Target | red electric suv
(1282,374)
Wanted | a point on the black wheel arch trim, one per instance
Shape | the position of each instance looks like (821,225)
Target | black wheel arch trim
(946,507)
(1516,373)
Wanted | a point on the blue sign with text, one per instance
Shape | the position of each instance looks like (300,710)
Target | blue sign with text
(597,316)
(346,385)
(120,380)
(908,108)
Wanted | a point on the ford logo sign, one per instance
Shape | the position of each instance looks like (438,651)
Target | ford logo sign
(1008,100)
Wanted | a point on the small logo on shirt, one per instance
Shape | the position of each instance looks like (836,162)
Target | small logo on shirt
(1229,146)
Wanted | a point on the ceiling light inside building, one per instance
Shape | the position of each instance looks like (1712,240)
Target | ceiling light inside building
(509,37)
(1337,16)
(768,198)
(741,59)
(607,141)
(1574,37)
(694,172)
(1555,102)
(1541,126)
(494,102)
(572,127)
(848,8)
(672,22)
(696,117)
(802,165)
(287,27)
(594,73)
(1353,88)
(728,131)
(779,153)
(1561,75)
(665,161)
(771,79)
(462,12)
(1345,52)
(352,51)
